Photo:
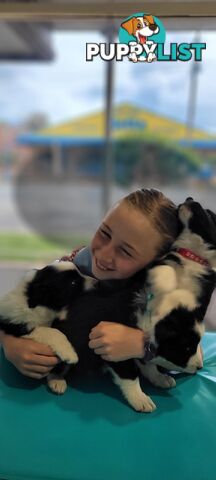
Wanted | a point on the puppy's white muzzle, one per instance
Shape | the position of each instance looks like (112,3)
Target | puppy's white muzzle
(195,362)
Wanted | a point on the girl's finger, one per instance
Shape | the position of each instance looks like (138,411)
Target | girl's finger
(48,362)
(40,348)
(95,333)
(96,343)
(38,369)
(106,357)
(35,375)
(100,351)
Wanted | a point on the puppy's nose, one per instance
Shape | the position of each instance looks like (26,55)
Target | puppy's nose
(189,199)
(153,27)
(199,357)
(199,365)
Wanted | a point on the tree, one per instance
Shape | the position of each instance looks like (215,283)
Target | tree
(147,159)
(36,121)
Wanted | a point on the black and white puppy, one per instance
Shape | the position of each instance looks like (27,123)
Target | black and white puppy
(169,305)
(40,297)
(179,289)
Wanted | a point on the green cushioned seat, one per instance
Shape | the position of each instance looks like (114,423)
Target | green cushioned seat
(90,433)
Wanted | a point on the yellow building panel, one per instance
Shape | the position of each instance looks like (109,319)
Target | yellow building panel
(128,121)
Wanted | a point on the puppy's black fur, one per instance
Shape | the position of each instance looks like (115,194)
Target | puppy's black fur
(51,288)
(44,289)
(113,303)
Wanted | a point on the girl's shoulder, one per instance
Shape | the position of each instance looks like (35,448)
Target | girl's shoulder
(81,257)
(69,258)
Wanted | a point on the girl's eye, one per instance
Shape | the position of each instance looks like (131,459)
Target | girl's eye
(126,253)
(104,233)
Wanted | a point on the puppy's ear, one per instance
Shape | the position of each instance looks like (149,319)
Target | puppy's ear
(129,25)
(37,294)
(149,19)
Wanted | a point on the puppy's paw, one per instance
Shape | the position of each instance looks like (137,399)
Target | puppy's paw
(67,355)
(132,57)
(143,403)
(56,385)
(164,381)
(151,57)
(141,58)
(151,372)
(57,341)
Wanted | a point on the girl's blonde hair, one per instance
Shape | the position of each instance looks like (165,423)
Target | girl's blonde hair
(160,210)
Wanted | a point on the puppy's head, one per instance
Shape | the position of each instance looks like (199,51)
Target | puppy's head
(149,22)
(178,337)
(53,287)
(198,220)
(141,27)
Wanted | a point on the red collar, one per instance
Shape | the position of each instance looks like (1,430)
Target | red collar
(192,256)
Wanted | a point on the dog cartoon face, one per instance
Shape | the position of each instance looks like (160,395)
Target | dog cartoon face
(200,221)
(141,27)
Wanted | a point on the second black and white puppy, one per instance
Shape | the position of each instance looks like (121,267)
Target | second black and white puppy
(180,289)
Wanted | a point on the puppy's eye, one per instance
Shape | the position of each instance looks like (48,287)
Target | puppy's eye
(139,25)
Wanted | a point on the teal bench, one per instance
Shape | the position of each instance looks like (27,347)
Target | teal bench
(90,433)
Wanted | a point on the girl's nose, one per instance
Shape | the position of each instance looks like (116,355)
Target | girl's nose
(107,253)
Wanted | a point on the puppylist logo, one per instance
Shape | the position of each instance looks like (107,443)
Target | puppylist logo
(141,39)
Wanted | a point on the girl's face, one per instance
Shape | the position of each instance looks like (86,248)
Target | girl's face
(124,243)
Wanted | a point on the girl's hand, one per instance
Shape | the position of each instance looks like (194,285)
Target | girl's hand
(116,342)
(31,358)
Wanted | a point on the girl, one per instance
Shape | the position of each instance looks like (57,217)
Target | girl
(138,229)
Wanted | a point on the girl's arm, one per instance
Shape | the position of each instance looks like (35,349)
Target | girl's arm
(31,358)
(116,342)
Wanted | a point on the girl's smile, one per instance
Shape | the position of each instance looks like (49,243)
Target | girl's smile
(102,267)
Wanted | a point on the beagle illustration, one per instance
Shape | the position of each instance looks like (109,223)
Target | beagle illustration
(141,28)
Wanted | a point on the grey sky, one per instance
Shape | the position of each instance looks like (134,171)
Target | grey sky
(70,86)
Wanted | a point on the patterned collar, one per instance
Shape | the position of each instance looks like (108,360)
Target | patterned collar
(185,252)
